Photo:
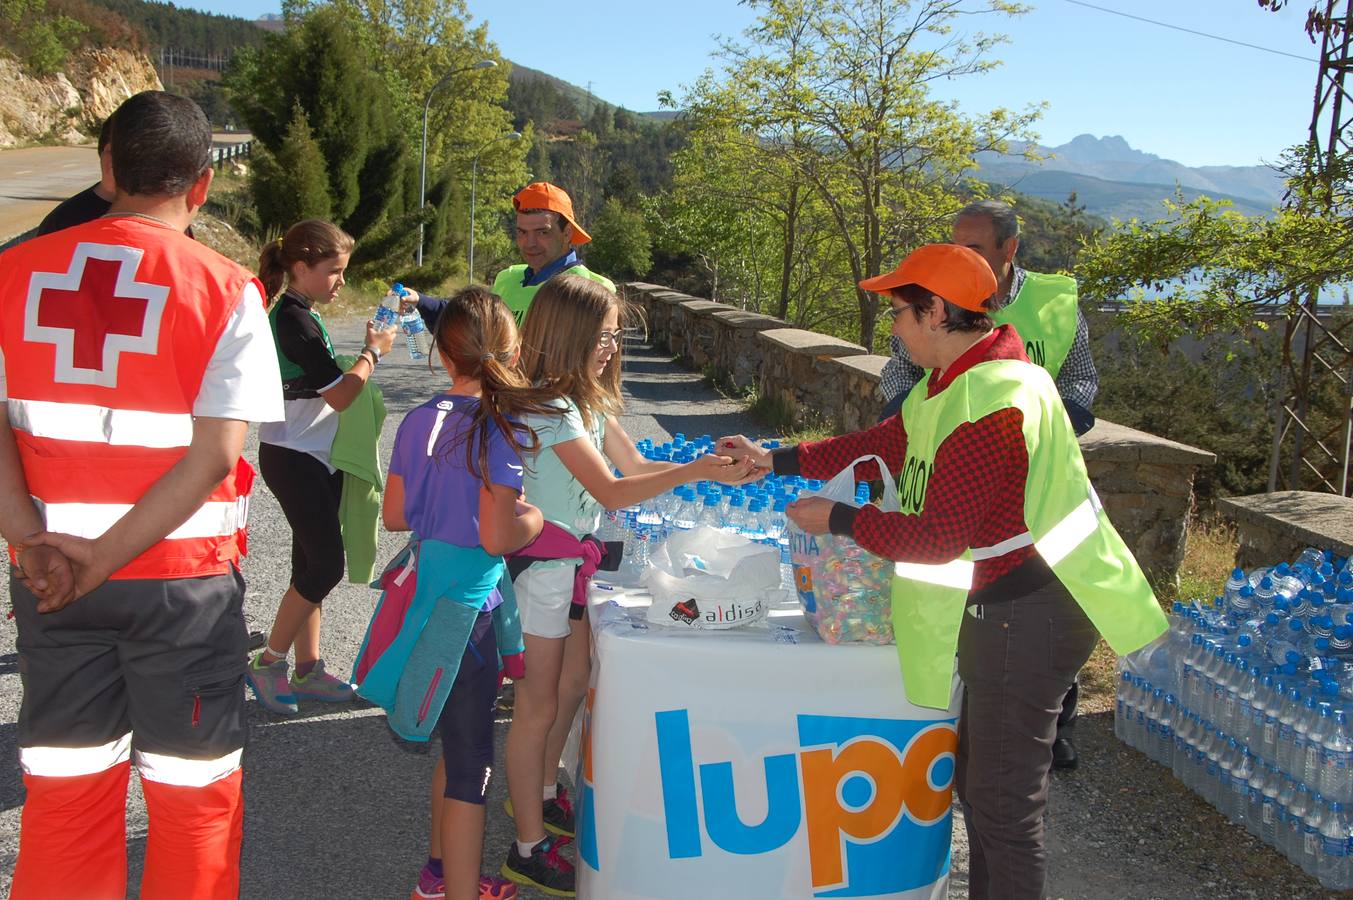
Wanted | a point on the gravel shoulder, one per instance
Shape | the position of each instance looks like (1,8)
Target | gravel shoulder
(337,808)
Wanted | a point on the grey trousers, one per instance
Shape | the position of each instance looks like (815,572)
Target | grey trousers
(1017,658)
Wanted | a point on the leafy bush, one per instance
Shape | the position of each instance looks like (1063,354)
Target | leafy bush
(40,39)
(621,245)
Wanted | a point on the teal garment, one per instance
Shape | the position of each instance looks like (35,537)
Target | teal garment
(356,453)
(414,675)
(547,482)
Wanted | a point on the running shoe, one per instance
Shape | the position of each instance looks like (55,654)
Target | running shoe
(270,686)
(429,887)
(558,813)
(491,887)
(320,685)
(545,869)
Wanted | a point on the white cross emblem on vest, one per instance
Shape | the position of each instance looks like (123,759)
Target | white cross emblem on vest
(94,312)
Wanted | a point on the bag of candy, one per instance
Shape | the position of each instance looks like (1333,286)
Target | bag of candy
(845,591)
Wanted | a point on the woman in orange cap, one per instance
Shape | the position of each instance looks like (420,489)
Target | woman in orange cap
(1017,580)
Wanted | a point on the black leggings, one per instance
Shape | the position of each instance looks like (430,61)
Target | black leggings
(466,723)
(309,495)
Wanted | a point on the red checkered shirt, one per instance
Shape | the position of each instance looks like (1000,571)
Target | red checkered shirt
(975,498)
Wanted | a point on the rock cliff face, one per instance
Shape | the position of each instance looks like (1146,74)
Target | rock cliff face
(69,106)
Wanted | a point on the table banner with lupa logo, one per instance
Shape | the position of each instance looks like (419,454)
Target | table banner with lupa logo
(757,762)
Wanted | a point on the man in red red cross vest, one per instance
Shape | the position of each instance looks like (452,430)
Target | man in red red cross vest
(134,359)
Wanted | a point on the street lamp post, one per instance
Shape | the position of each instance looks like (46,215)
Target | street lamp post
(474,175)
(423,156)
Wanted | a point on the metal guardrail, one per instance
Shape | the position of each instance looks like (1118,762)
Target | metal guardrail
(234,151)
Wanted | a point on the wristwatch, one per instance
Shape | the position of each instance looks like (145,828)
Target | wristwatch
(375,354)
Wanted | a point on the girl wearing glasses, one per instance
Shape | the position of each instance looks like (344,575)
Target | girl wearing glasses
(571,345)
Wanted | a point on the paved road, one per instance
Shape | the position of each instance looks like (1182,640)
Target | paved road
(337,809)
(33,180)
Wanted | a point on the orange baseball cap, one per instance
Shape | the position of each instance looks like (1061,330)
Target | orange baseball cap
(956,273)
(543,195)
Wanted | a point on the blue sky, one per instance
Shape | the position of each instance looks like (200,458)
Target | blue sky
(1180,96)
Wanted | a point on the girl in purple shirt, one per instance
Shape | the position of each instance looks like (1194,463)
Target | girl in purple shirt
(456,477)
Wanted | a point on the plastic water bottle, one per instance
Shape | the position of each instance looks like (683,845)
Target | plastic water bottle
(755,527)
(1169,719)
(1183,744)
(1272,812)
(1234,584)
(1121,710)
(1312,839)
(387,312)
(1295,824)
(1287,732)
(1332,868)
(1241,772)
(640,543)
(1154,706)
(1337,761)
(709,512)
(649,516)
(1216,783)
(1308,563)
(735,516)
(1271,703)
(1317,736)
(416,336)
(1227,792)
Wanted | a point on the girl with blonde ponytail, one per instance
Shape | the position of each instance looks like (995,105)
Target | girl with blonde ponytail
(455,481)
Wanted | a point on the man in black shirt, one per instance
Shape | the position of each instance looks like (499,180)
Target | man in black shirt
(93,201)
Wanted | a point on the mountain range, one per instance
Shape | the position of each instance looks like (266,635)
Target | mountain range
(1112,179)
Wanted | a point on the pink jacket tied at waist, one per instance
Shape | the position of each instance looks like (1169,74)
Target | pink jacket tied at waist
(554,542)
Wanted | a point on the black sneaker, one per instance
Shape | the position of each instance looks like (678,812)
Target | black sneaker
(557,813)
(545,869)
(1064,753)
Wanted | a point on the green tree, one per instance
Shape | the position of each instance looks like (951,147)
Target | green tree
(621,245)
(43,40)
(839,91)
(322,65)
(291,184)
(423,48)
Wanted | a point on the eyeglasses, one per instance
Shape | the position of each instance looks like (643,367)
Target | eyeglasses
(892,312)
(609,340)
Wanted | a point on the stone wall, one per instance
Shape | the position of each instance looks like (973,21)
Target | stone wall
(1278,526)
(1144,481)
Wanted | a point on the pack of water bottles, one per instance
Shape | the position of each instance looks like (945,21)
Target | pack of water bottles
(416,336)
(1248,701)
(755,511)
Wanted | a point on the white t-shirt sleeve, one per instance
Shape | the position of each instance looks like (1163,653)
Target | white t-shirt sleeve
(242,380)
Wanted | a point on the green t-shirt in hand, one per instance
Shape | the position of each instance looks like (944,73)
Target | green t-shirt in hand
(548,482)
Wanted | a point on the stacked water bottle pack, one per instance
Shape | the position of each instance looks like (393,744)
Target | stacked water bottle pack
(756,511)
(1248,701)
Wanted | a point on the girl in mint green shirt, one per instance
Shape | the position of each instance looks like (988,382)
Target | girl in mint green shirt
(571,344)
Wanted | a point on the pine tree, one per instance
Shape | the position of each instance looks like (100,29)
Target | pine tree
(291,184)
(322,65)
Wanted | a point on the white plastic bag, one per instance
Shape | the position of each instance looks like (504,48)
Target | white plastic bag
(845,591)
(707,578)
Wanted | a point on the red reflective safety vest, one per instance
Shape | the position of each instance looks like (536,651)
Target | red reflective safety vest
(107,329)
